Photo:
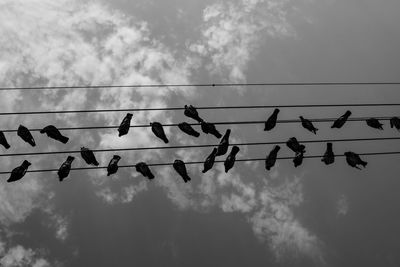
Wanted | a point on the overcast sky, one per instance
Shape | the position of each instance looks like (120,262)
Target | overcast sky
(310,216)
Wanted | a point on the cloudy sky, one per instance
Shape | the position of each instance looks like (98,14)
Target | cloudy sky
(309,216)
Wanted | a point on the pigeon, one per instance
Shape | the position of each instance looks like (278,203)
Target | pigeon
(158,130)
(142,168)
(3,140)
(26,135)
(65,168)
(88,156)
(54,133)
(209,128)
(395,122)
(353,159)
(271,158)
(123,128)
(180,168)
(224,144)
(294,145)
(374,123)
(209,163)
(19,172)
(187,129)
(307,124)
(271,122)
(298,159)
(112,167)
(230,160)
(192,113)
(328,157)
(342,120)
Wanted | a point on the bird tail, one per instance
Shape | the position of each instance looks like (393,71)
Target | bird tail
(96,163)
(391,124)
(150,176)
(166,140)
(196,134)
(64,139)
(218,135)
(364,163)
(6,145)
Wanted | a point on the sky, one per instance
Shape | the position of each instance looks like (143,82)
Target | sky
(313,215)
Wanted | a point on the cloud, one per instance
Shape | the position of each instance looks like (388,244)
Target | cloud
(342,205)
(19,256)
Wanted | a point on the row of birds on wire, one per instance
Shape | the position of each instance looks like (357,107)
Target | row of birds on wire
(353,159)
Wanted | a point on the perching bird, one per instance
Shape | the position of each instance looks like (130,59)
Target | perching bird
(307,124)
(180,168)
(192,113)
(125,125)
(328,157)
(209,128)
(298,159)
(374,123)
(209,163)
(112,167)
(224,144)
(395,122)
(353,159)
(271,158)
(88,156)
(187,129)
(19,172)
(230,160)
(144,169)
(342,120)
(294,145)
(54,133)
(65,168)
(3,140)
(26,135)
(271,122)
(158,131)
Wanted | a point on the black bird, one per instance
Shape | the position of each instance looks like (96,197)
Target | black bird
(65,168)
(353,159)
(271,158)
(307,124)
(224,144)
(144,169)
(294,145)
(271,122)
(88,156)
(209,163)
(19,172)
(192,113)
(230,160)
(125,125)
(328,157)
(298,159)
(395,122)
(113,165)
(342,120)
(209,128)
(180,168)
(54,133)
(374,123)
(187,129)
(158,131)
(26,135)
(3,140)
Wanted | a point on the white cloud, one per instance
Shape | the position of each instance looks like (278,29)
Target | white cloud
(19,256)
(342,205)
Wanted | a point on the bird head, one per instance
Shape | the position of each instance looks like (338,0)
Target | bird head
(277,148)
(129,115)
(70,158)
(26,163)
(116,157)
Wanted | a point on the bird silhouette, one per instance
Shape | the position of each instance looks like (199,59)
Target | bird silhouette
(192,113)
(374,123)
(3,140)
(180,168)
(19,172)
(271,158)
(54,133)
(294,145)
(144,169)
(187,129)
(328,157)
(88,156)
(26,135)
(395,122)
(342,120)
(112,167)
(209,163)
(65,168)
(125,125)
(298,159)
(158,131)
(307,124)
(209,128)
(271,122)
(230,160)
(224,144)
(353,159)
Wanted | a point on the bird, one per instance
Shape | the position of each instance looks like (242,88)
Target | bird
(307,124)
(224,144)
(294,145)
(328,157)
(26,135)
(209,163)
(353,159)
(298,159)
(158,131)
(271,158)
(209,128)
(65,168)
(125,125)
(54,133)
(374,123)
(88,156)
(19,172)
(271,122)
(3,140)
(192,113)
(144,169)
(342,120)
(395,122)
(187,129)
(180,168)
(230,160)
(112,167)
